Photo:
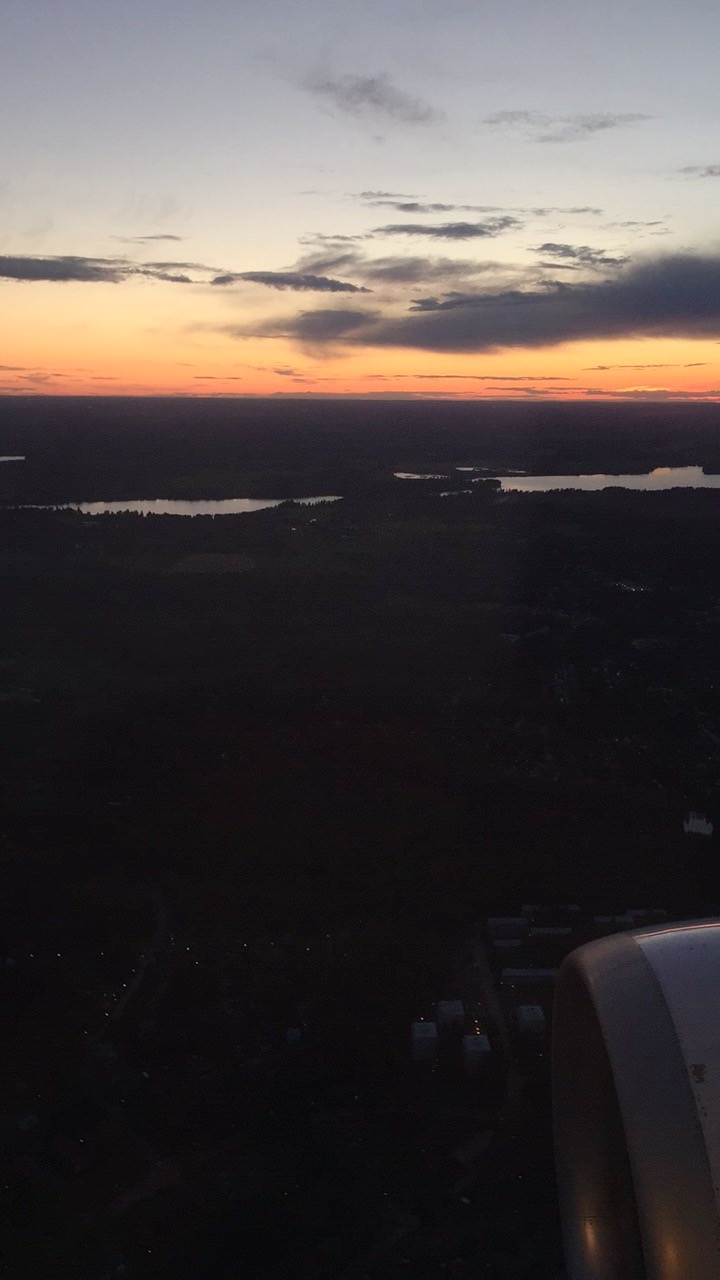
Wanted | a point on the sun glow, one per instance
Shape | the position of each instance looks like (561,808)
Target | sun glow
(151,338)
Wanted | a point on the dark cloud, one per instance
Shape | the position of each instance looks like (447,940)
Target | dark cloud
(702,170)
(527,391)
(361,395)
(313,327)
(573,128)
(383,195)
(515,117)
(71,269)
(634,222)
(360,95)
(318,326)
(321,237)
(449,301)
(415,206)
(62,269)
(398,269)
(475,377)
(694,364)
(290,280)
(558,266)
(581,254)
(330,259)
(652,393)
(178,266)
(144,239)
(420,206)
(419,270)
(318,237)
(451,230)
(545,212)
(40,377)
(165,275)
(673,296)
(547,128)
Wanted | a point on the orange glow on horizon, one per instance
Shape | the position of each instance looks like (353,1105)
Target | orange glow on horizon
(104,339)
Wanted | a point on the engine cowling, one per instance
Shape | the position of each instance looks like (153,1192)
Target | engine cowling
(636,1104)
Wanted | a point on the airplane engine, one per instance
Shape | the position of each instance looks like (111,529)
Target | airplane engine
(636,1104)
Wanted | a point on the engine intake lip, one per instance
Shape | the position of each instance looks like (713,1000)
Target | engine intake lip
(636,1104)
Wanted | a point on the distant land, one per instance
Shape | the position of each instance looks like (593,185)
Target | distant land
(106,448)
(263,778)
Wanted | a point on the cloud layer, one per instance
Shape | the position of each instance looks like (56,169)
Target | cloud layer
(672,296)
(294,280)
(451,230)
(578,256)
(702,170)
(69,268)
(573,128)
(371,95)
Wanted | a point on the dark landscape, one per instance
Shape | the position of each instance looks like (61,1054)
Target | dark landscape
(265,777)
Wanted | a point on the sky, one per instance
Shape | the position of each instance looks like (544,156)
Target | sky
(393,198)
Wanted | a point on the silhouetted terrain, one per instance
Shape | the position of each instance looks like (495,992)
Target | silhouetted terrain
(106,448)
(268,771)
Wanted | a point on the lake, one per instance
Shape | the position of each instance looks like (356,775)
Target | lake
(515,481)
(181,506)
(651,481)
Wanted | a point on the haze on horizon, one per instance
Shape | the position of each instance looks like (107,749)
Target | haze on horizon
(408,198)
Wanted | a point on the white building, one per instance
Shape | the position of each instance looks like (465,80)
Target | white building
(696,824)
(507,926)
(424,1037)
(528,977)
(451,1015)
(476,1053)
(530,1020)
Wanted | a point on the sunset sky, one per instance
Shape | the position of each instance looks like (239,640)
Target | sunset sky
(393,197)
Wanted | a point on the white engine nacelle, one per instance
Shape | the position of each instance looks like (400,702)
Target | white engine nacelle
(636,1102)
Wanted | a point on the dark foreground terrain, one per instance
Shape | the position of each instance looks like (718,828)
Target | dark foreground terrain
(264,776)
